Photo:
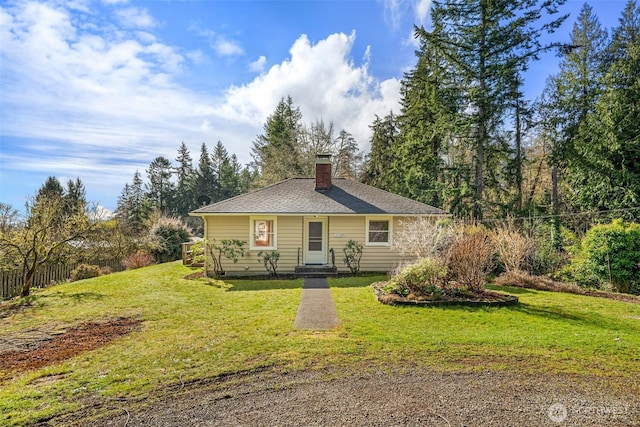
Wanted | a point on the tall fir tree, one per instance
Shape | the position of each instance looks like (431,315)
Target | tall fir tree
(606,174)
(568,99)
(75,198)
(184,198)
(160,187)
(486,44)
(376,169)
(133,209)
(347,162)
(276,152)
(204,183)
(425,123)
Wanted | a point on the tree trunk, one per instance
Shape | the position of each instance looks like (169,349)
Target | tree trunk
(482,128)
(28,281)
(556,240)
(518,171)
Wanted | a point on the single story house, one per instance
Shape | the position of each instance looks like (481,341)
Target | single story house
(309,221)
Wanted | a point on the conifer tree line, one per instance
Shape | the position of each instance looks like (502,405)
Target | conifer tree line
(173,189)
(467,140)
(287,149)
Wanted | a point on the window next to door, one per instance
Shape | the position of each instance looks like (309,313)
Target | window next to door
(379,231)
(262,233)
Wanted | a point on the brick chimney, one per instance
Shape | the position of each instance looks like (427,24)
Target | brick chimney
(323,172)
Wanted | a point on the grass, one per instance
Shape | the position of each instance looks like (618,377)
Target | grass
(199,329)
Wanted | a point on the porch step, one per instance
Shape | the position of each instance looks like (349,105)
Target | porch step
(315,270)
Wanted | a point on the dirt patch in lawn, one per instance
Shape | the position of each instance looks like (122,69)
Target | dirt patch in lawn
(50,344)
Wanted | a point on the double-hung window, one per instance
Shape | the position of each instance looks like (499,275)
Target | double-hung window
(262,233)
(379,231)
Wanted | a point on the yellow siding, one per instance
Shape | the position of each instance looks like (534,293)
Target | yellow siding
(374,258)
(290,232)
(289,238)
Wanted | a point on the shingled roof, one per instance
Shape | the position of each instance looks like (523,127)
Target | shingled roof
(299,196)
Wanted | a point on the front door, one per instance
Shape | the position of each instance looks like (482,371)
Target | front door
(315,240)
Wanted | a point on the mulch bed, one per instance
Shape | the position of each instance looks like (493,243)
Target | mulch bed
(486,298)
(51,349)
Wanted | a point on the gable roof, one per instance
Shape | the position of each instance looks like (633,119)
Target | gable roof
(299,196)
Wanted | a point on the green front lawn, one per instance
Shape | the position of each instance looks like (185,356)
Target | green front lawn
(198,329)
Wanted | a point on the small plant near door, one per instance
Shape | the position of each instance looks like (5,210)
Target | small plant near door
(229,248)
(353,255)
(270,261)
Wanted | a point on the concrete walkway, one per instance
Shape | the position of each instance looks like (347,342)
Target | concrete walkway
(317,309)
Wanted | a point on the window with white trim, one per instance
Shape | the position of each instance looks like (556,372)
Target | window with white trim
(262,233)
(379,231)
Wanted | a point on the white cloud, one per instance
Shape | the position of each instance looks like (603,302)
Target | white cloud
(196,56)
(324,82)
(224,47)
(220,44)
(421,10)
(135,17)
(393,12)
(87,101)
(258,65)
(397,10)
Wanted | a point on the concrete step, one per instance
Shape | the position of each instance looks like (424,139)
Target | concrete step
(316,271)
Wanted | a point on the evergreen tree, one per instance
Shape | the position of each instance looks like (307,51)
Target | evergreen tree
(205,182)
(574,91)
(276,152)
(160,188)
(184,198)
(376,169)
(486,44)
(606,173)
(50,188)
(347,160)
(75,197)
(52,193)
(425,122)
(133,208)
(227,171)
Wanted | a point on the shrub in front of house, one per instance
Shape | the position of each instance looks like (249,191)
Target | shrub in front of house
(270,261)
(470,259)
(353,255)
(425,279)
(85,271)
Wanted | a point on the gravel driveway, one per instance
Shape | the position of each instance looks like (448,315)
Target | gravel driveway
(324,398)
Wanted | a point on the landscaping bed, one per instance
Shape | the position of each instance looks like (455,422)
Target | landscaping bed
(478,299)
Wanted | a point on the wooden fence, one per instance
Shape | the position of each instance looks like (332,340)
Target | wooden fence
(11,281)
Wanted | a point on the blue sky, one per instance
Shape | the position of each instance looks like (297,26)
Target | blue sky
(96,89)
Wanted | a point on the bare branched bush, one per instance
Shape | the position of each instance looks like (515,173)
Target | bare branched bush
(422,237)
(470,259)
(138,260)
(512,247)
